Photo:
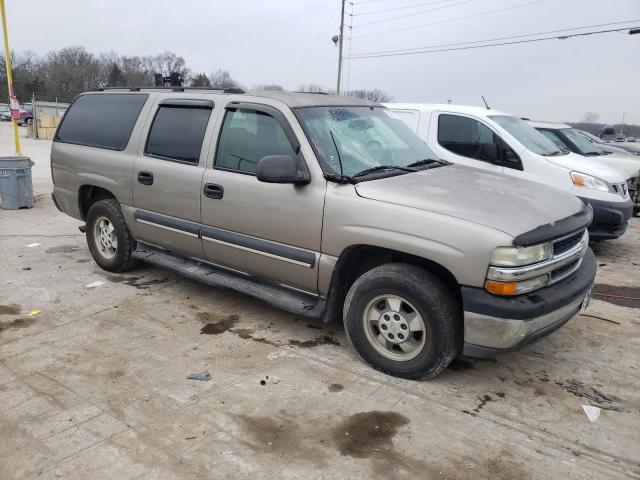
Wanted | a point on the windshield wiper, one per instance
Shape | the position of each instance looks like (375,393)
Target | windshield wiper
(592,154)
(427,161)
(381,168)
(556,152)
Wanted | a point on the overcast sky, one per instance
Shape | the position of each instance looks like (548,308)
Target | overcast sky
(288,42)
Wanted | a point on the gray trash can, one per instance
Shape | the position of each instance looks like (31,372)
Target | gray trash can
(16,189)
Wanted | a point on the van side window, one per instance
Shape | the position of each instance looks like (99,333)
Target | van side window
(465,136)
(101,120)
(247,136)
(177,133)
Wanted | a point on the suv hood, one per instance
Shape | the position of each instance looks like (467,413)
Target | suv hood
(590,165)
(508,204)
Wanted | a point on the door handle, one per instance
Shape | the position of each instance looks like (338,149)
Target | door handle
(145,178)
(212,190)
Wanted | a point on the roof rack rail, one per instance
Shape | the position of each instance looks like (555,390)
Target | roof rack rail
(312,93)
(173,89)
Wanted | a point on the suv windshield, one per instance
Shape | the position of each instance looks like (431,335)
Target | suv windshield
(527,135)
(363,138)
(581,142)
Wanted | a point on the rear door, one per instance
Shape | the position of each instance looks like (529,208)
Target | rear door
(167,175)
(272,231)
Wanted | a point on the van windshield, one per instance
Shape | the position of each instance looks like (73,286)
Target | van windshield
(580,141)
(362,139)
(527,135)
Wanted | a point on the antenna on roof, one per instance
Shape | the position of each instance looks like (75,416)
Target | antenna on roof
(485,103)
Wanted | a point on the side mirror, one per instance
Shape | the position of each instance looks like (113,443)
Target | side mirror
(282,169)
(489,152)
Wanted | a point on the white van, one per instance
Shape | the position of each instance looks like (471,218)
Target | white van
(500,142)
(568,138)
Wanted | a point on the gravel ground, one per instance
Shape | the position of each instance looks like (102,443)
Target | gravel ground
(93,384)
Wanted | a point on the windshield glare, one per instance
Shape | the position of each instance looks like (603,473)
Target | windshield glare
(365,138)
(527,135)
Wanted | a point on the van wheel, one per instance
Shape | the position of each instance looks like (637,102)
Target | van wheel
(108,237)
(403,321)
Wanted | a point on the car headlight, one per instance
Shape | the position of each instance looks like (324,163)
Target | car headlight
(587,181)
(519,256)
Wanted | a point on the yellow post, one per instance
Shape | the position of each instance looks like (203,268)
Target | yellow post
(7,57)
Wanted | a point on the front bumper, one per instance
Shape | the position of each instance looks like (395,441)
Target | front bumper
(494,325)
(610,219)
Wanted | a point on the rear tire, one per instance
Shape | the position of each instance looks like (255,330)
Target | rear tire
(403,321)
(108,237)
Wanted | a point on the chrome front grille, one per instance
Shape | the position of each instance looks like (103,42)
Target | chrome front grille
(565,260)
(621,189)
(567,243)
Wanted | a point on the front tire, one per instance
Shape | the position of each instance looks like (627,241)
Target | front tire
(403,321)
(108,237)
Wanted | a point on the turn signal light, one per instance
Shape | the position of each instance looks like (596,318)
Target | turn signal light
(500,288)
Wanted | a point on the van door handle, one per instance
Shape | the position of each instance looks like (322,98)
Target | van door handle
(212,190)
(145,178)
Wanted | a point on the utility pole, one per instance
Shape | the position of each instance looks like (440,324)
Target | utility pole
(341,39)
(13,102)
(622,126)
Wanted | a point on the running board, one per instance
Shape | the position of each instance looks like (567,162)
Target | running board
(273,294)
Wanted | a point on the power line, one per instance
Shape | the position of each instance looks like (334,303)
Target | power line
(449,20)
(360,54)
(412,14)
(560,37)
(400,8)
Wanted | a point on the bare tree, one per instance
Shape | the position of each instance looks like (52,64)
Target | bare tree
(136,71)
(223,79)
(270,86)
(375,95)
(167,63)
(590,117)
(312,88)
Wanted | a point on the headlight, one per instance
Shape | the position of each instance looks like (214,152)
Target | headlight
(587,181)
(519,256)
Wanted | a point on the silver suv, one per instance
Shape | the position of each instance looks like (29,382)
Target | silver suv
(326,207)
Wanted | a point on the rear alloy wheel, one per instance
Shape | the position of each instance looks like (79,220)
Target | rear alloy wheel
(403,321)
(108,237)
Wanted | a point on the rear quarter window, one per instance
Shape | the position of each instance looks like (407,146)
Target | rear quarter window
(102,120)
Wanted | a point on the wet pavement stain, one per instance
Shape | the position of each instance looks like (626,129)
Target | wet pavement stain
(83,260)
(17,323)
(63,249)
(363,434)
(621,296)
(483,401)
(581,390)
(216,324)
(335,388)
(325,340)
(132,281)
(12,309)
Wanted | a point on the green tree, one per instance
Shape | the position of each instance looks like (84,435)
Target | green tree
(116,78)
(200,80)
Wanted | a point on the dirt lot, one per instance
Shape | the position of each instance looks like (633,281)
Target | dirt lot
(94,384)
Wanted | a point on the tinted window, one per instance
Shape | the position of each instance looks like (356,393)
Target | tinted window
(467,137)
(103,120)
(246,137)
(177,133)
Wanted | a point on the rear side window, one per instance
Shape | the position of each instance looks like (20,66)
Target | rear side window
(177,133)
(103,120)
